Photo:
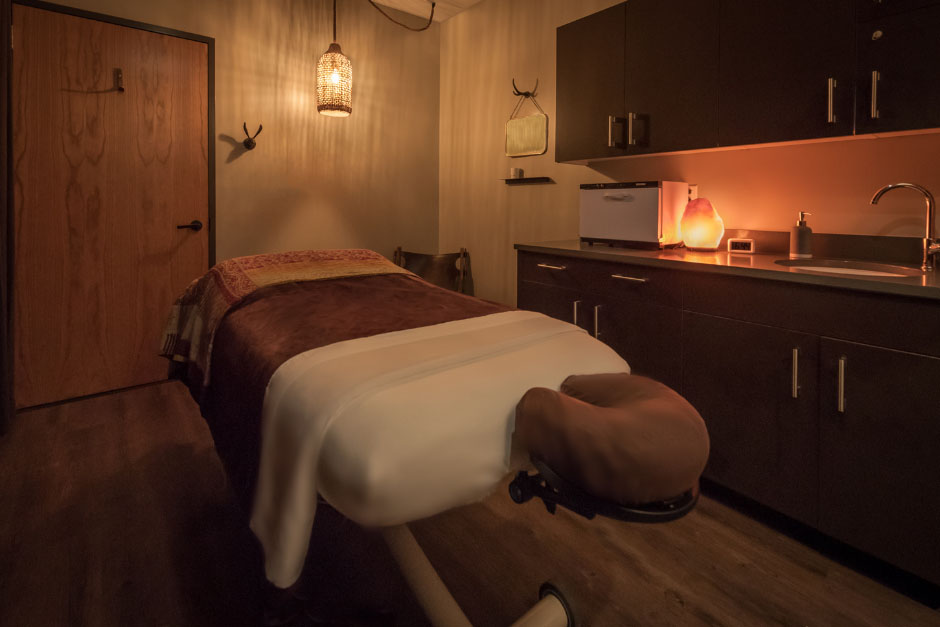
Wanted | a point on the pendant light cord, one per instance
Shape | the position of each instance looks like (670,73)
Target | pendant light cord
(334,20)
(392,19)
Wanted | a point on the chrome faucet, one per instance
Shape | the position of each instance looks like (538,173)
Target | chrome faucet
(931,245)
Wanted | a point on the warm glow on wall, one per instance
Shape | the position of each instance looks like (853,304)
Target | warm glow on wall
(701,225)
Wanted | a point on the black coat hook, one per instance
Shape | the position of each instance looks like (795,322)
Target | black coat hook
(527,94)
(250,142)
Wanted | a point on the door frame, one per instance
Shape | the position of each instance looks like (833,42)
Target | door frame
(6,169)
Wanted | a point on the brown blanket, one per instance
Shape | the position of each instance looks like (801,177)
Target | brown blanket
(275,323)
(196,315)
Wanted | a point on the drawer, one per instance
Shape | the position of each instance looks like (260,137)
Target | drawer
(608,279)
(622,281)
(548,270)
(875,319)
(876,9)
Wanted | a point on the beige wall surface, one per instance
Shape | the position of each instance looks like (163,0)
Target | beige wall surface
(369,180)
(485,47)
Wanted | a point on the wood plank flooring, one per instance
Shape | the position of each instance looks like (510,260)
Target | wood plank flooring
(115,511)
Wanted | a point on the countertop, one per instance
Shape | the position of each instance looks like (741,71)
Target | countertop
(763,266)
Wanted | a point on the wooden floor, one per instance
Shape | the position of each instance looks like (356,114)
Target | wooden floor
(115,511)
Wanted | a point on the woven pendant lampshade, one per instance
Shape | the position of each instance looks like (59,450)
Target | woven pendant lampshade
(334,83)
(334,79)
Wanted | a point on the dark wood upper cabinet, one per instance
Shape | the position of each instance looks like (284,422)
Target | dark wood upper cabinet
(671,75)
(878,462)
(787,69)
(898,87)
(589,81)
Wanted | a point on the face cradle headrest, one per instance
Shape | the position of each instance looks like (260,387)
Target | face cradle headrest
(621,437)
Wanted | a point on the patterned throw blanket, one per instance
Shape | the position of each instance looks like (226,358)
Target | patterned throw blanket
(197,314)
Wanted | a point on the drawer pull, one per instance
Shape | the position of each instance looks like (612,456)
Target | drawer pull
(597,309)
(550,266)
(795,382)
(574,316)
(628,278)
(840,400)
(875,77)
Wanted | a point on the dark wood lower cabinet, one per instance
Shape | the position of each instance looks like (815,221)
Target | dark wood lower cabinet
(645,334)
(558,302)
(758,359)
(879,469)
(760,408)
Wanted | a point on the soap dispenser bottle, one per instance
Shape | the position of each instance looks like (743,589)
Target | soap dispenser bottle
(801,239)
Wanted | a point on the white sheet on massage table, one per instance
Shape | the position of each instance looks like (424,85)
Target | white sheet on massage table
(401,426)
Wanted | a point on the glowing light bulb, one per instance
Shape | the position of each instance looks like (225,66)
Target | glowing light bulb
(334,77)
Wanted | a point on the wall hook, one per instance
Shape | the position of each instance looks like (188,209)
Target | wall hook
(526,94)
(249,143)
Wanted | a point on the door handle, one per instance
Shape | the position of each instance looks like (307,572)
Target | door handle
(612,142)
(574,315)
(195,225)
(840,395)
(830,101)
(597,332)
(875,77)
(795,374)
(631,118)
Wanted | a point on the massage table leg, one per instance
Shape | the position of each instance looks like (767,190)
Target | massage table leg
(440,606)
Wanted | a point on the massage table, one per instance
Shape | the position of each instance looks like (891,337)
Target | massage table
(340,374)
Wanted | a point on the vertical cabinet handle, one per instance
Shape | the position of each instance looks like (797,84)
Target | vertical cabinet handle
(611,120)
(840,399)
(597,309)
(574,314)
(631,140)
(875,77)
(795,377)
(830,99)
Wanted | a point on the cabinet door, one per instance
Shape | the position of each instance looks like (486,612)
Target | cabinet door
(589,86)
(645,334)
(879,464)
(671,72)
(776,61)
(557,302)
(898,81)
(759,405)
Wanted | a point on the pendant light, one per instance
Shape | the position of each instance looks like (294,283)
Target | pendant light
(334,80)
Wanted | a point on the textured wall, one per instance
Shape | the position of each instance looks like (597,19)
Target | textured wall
(483,48)
(369,180)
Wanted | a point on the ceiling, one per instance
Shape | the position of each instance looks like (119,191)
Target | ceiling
(443,10)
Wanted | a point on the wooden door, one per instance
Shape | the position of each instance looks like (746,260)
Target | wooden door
(903,49)
(878,463)
(589,92)
(740,377)
(776,62)
(671,74)
(104,172)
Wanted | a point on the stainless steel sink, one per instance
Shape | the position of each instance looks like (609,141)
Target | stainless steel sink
(844,266)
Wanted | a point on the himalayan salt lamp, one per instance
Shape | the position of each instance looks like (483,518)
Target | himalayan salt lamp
(701,226)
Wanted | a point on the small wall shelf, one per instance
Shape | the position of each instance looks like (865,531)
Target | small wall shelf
(530,180)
